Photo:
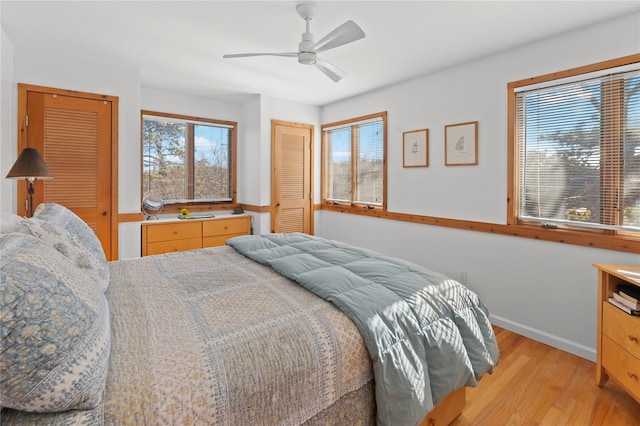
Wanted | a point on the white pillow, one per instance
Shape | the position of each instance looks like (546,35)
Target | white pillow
(10,222)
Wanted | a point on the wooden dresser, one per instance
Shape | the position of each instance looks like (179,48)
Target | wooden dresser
(163,236)
(618,343)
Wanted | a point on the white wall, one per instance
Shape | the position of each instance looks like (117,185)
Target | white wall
(541,289)
(249,153)
(8,151)
(196,106)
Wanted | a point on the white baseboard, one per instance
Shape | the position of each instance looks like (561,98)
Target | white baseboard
(546,338)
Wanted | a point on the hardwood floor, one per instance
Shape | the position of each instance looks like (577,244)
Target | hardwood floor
(535,384)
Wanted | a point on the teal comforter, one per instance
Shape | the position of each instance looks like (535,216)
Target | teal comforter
(427,334)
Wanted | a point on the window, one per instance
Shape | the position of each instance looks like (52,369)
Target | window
(354,161)
(188,160)
(576,142)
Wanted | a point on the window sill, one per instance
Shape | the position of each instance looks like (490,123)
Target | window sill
(353,208)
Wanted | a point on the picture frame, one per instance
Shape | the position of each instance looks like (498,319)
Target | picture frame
(415,148)
(461,144)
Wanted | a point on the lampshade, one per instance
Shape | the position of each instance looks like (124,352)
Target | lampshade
(29,165)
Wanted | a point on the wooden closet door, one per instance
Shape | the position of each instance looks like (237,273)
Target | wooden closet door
(73,135)
(292,205)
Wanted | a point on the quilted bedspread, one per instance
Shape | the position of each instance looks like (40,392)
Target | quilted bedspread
(210,337)
(427,335)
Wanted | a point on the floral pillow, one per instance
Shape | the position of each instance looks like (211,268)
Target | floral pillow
(80,233)
(55,330)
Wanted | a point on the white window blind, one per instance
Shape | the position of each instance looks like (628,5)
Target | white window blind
(579,152)
(355,162)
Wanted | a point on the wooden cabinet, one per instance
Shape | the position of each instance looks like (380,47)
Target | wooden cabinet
(217,232)
(618,343)
(165,236)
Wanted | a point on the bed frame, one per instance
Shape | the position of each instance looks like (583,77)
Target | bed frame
(448,410)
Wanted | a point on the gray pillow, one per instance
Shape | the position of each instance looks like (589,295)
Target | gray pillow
(96,269)
(55,330)
(79,231)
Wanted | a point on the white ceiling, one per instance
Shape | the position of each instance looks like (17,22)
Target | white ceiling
(178,45)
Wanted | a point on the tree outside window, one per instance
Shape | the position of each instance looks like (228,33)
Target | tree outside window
(187,160)
(354,155)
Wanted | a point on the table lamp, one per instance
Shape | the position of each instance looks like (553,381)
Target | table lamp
(29,166)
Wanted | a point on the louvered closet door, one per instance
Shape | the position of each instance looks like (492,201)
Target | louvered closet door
(74,137)
(291,180)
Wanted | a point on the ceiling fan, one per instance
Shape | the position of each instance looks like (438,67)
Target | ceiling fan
(308,49)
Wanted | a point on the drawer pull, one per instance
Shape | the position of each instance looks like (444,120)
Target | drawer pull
(632,375)
(633,338)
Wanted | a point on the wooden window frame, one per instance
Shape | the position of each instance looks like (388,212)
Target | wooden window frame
(353,206)
(189,162)
(568,234)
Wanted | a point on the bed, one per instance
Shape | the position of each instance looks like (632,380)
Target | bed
(269,329)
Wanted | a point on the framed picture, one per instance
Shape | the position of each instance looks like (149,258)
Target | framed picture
(461,144)
(415,145)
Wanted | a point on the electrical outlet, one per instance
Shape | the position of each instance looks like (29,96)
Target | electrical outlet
(463,277)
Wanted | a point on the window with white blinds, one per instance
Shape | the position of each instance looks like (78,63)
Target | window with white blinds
(578,148)
(354,159)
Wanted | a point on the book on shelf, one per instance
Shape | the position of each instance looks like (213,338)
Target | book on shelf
(629,292)
(624,307)
(627,302)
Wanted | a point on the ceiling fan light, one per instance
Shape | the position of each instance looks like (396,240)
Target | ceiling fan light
(307,58)
(307,10)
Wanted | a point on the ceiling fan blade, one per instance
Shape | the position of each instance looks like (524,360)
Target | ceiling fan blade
(333,72)
(345,33)
(244,55)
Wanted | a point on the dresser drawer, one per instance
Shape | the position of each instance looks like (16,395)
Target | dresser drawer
(216,227)
(174,231)
(173,245)
(622,366)
(218,240)
(622,328)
